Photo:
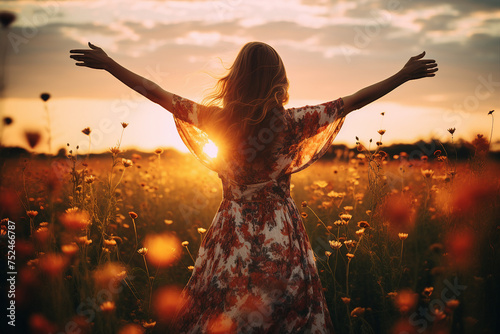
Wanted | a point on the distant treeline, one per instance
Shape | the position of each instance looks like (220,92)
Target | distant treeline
(461,151)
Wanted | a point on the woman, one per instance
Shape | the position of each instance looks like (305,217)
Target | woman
(255,272)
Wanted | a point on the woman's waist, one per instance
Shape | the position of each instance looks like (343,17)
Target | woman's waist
(272,190)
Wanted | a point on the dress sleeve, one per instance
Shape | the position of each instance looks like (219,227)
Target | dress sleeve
(313,129)
(186,116)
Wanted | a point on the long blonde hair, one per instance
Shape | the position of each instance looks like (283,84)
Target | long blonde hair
(255,85)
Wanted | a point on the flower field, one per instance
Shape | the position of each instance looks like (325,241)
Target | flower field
(404,243)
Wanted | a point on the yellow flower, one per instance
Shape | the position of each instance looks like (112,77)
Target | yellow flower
(190,267)
(345,217)
(335,244)
(427,173)
(328,254)
(133,215)
(108,307)
(168,222)
(110,242)
(201,230)
(89,179)
(185,243)
(127,162)
(403,236)
(143,251)
(349,255)
(348,208)
(304,215)
(360,232)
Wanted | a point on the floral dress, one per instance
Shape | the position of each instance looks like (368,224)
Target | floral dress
(255,271)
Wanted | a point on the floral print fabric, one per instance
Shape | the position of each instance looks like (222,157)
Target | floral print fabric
(255,271)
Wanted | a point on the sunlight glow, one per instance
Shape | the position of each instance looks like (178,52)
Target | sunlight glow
(211,149)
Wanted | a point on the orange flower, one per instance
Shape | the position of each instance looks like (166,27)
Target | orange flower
(159,151)
(107,307)
(358,311)
(201,230)
(32,213)
(52,264)
(133,215)
(403,236)
(163,249)
(74,219)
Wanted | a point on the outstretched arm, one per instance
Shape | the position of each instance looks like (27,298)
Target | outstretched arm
(415,68)
(98,59)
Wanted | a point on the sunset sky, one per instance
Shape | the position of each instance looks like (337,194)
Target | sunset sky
(330,49)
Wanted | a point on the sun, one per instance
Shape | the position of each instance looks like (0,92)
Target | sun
(210,149)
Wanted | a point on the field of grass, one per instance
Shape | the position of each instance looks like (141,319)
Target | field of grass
(105,244)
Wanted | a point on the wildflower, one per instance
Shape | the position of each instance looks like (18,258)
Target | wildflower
(127,162)
(338,223)
(358,311)
(403,236)
(349,243)
(107,307)
(335,244)
(163,249)
(52,264)
(451,131)
(363,224)
(185,243)
(108,275)
(159,151)
(7,120)
(124,125)
(304,215)
(44,224)
(406,300)
(133,215)
(321,184)
(328,254)
(427,292)
(69,249)
(74,219)
(350,256)
(490,112)
(201,230)
(168,222)
(32,213)
(381,132)
(166,301)
(190,267)
(115,150)
(143,251)
(33,138)
(382,113)
(45,97)
(452,304)
(345,217)
(110,242)
(360,232)
(346,300)
(86,131)
(89,179)
(147,325)
(368,212)
(6,18)
(304,204)
(84,241)
(348,208)
(427,173)
(379,143)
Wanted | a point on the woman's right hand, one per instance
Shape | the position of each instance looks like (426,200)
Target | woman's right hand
(417,68)
(94,58)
